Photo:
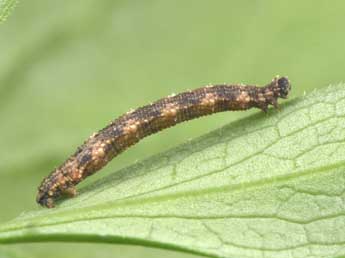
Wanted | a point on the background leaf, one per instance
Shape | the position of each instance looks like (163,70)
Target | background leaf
(269,185)
(6,7)
(68,67)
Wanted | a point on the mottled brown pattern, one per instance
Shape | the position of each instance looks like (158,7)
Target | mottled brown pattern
(128,129)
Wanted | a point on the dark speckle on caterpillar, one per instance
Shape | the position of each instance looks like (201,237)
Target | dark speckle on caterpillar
(129,128)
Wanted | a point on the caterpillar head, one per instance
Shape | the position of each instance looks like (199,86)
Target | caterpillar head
(283,86)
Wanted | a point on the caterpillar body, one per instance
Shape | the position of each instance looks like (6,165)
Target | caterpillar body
(128,129)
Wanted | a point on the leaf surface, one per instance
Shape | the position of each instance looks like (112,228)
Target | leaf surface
(6,6)
(268,185)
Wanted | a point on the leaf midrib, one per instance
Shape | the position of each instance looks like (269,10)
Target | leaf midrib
(112,205)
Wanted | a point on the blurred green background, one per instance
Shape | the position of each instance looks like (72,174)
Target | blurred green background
(69,67)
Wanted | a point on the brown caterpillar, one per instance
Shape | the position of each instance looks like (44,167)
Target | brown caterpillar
(129,128)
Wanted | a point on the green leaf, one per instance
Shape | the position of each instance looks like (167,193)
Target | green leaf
(269,185)
(6,6)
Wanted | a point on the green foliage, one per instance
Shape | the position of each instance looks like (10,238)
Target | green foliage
(267,185)
(6,7)
(68,67)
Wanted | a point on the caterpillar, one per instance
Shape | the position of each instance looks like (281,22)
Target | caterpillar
(128,129)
